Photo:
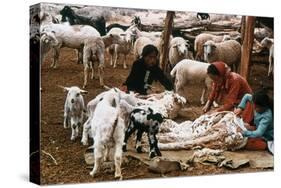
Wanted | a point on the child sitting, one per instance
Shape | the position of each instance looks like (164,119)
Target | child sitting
(259,136)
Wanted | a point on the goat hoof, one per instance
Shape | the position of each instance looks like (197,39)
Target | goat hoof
(139,149)
(120,177)
(85,143)
(159,153)
(92,174)
(124,148)
(152,155)
(84,86)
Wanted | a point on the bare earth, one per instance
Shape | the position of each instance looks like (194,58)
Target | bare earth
(69,155)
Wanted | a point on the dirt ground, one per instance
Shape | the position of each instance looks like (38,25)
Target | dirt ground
(69,155)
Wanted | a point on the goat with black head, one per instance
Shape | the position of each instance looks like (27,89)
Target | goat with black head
(69,15)
(203,16)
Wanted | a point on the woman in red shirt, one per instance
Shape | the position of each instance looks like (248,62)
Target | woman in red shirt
(228,89)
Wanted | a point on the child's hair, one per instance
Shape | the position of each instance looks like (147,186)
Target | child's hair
(212,69)
(261,98)
(148,49)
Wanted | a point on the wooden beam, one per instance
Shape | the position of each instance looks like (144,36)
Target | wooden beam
(248,38)
(242,27)
(164,46)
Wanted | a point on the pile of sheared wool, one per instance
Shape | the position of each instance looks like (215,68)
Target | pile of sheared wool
(221,130)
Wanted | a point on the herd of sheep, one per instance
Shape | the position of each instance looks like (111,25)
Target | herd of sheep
(128,112)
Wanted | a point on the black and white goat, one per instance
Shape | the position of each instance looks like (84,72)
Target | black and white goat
(144,119)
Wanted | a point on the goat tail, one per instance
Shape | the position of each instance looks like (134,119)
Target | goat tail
(173,71)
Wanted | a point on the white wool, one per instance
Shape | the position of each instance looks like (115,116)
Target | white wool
(220,130)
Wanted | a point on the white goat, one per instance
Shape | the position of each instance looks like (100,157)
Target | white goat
(108,131)
(93,50)
(227,51)
(187,71)
(91,106)
(68,36)
(123,48)
(269,44)
(74,109)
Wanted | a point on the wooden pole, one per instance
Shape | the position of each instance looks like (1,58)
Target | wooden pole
(242,28)
(164,46)
(248,38)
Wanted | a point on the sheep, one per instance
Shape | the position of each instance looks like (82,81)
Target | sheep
(68,36)
(74,19)
(269,44)
(91,106)
(167,103)
(124,47)
(199,42)
(93,50)
(47,41)
(191,71)
(227,51)
(140,43)
(73,109)
(144,119)
(178,50)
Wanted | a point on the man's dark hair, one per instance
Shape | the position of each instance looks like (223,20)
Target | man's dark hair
(212,69)
(261,98)
(148,49)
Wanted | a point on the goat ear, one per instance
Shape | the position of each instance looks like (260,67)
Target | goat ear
(83,91)
(150,110)
(64,88)
(115,89)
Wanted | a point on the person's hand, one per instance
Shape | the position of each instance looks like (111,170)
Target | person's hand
(124,88)
(249,127)
(149,91)
(238,111)
(207,107)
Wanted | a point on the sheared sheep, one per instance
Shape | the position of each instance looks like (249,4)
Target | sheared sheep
(123,48)
(191,71)
(68,36)
(93,50)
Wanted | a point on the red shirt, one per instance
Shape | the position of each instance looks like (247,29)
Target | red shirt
(230,92)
